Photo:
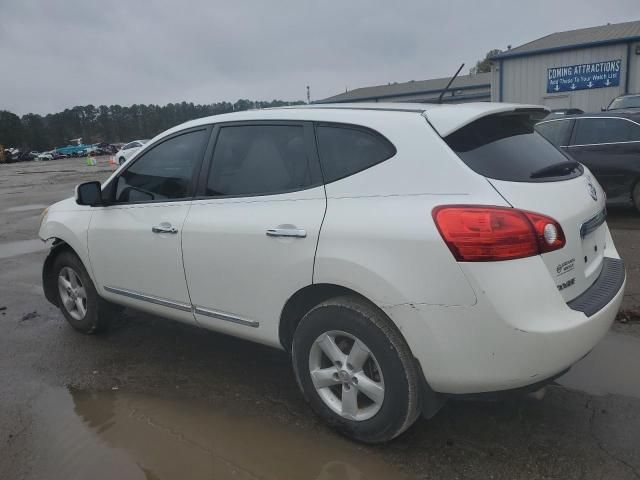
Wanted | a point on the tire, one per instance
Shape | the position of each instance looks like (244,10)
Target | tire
(389,364)
(121,160)
(74,286)
(635,196)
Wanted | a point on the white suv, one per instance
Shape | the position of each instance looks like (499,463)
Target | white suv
(129,150)
(401,253)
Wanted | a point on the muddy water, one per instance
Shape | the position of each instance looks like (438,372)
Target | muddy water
(113,435)
(612,367)
(13,249)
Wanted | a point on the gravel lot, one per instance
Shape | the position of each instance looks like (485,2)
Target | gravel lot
(159,400)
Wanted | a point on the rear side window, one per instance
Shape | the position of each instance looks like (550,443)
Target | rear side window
(605,130)
(259,160)
(506,146)
(346,150)
(557,132)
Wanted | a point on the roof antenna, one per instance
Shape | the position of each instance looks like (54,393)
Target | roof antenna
(449,84)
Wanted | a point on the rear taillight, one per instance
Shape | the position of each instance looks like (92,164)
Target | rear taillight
(487,234)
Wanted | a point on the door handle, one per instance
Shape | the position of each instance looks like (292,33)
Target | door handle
(164,227)
(287,232)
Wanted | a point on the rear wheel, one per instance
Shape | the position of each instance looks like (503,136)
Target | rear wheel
(356,370)
(635,196)
(77,297)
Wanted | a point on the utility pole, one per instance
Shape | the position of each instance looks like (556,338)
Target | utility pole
(308,95)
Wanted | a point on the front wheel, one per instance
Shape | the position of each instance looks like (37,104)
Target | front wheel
(77,296)
(356,370)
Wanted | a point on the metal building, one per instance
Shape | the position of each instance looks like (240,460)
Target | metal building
(465,88)
(583,68)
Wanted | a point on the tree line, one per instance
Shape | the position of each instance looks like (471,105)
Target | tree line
(110,124)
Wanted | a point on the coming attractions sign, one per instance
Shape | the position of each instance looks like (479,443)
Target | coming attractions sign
(584,76)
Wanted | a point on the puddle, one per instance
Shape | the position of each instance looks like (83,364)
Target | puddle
(25,208)
(13,249)
(108,435)
(612,367)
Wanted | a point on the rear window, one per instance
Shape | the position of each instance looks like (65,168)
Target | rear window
(625,102)
(506,146)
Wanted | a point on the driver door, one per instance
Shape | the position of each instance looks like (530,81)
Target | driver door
(135,241)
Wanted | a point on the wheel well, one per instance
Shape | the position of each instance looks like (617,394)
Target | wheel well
(48,278)
(304,300)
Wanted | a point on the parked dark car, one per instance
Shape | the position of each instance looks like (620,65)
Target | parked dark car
(623,102)
(608,143)
(105,149)
(56,155)
(26,156)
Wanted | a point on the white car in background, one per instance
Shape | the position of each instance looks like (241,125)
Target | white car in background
(402,254)
(129,150)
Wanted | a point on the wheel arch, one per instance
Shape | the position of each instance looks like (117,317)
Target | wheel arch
(304,300)
(48,278)
(307,297)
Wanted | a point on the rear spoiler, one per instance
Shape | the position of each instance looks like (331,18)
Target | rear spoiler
(446,120)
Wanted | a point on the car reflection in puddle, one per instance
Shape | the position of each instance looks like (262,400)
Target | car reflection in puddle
(115,434)
(130,436)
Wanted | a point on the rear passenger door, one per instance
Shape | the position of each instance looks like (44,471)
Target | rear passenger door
(610,148)
(250,237)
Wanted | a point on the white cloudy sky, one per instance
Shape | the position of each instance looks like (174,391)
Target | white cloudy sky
(59,53)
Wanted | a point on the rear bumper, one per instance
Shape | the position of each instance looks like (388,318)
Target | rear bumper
(603,290)
(519,333)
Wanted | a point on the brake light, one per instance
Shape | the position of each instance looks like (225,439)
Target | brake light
(485,233)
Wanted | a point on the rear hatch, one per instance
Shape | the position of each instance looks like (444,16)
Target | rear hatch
(531,174)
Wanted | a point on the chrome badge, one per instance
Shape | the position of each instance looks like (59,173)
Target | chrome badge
(592,190)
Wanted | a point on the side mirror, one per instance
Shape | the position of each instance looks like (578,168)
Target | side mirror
(603,109)
(89,193)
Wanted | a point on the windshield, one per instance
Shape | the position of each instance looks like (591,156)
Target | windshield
(506,146)
(625,102)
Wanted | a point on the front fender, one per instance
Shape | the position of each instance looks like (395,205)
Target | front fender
(70,228)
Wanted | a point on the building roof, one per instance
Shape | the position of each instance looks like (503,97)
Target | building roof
(582,38)
(435,86)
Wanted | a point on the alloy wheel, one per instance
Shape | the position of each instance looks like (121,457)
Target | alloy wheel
(72,293)
(346,375)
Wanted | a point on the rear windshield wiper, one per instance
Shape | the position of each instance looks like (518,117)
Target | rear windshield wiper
(556,169)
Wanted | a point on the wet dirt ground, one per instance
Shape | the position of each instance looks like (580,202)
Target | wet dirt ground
(153,399)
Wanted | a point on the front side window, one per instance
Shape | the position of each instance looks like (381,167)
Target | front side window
(556,131)
(605,130)
(259,160)
(345,150)
(164,172)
